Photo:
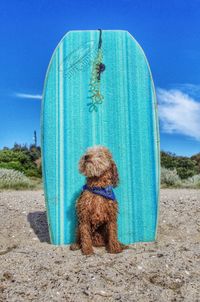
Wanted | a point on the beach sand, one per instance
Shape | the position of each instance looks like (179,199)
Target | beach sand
(33,270)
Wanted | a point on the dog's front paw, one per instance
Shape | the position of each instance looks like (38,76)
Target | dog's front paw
(75,246)
(124,246)
(87,251)
(115,248)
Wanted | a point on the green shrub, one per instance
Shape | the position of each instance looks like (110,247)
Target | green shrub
(11,179)
(185,166)
(170,177)
(22,160)
(192,182)
(196,158)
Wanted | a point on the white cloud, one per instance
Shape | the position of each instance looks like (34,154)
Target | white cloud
(28,96)
(179,112)
(188,88)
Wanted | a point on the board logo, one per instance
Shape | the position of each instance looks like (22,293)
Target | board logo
(79,59)
(88,54)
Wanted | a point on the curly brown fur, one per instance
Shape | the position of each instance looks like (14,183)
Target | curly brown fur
(97,215)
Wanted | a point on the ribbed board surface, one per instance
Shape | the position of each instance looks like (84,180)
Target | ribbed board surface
(126,123)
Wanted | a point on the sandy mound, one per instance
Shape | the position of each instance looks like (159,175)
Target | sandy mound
(34,270)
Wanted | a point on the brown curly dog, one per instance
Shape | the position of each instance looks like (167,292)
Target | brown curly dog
(97,207)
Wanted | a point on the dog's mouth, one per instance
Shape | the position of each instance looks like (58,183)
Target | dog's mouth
(88,161)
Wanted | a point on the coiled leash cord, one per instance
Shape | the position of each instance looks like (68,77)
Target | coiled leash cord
(97,69)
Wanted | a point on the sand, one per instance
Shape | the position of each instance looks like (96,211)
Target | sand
(33,270)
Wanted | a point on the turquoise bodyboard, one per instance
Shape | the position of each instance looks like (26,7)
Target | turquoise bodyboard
(126,122)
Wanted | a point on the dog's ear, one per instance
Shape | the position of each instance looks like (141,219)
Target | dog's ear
(115,176)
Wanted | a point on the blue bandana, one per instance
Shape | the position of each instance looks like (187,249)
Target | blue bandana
(106,192)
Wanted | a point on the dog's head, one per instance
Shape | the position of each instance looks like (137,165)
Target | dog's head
(96,161)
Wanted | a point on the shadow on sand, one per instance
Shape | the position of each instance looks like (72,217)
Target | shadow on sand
(38,222)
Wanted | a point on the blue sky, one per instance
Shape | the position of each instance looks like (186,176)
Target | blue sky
(168,31)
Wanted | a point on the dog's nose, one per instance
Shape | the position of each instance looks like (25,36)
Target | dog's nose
(87,157)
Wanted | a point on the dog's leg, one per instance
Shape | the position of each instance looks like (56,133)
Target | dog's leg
(114,246)
(76,246)
(86,240)
(124,246)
